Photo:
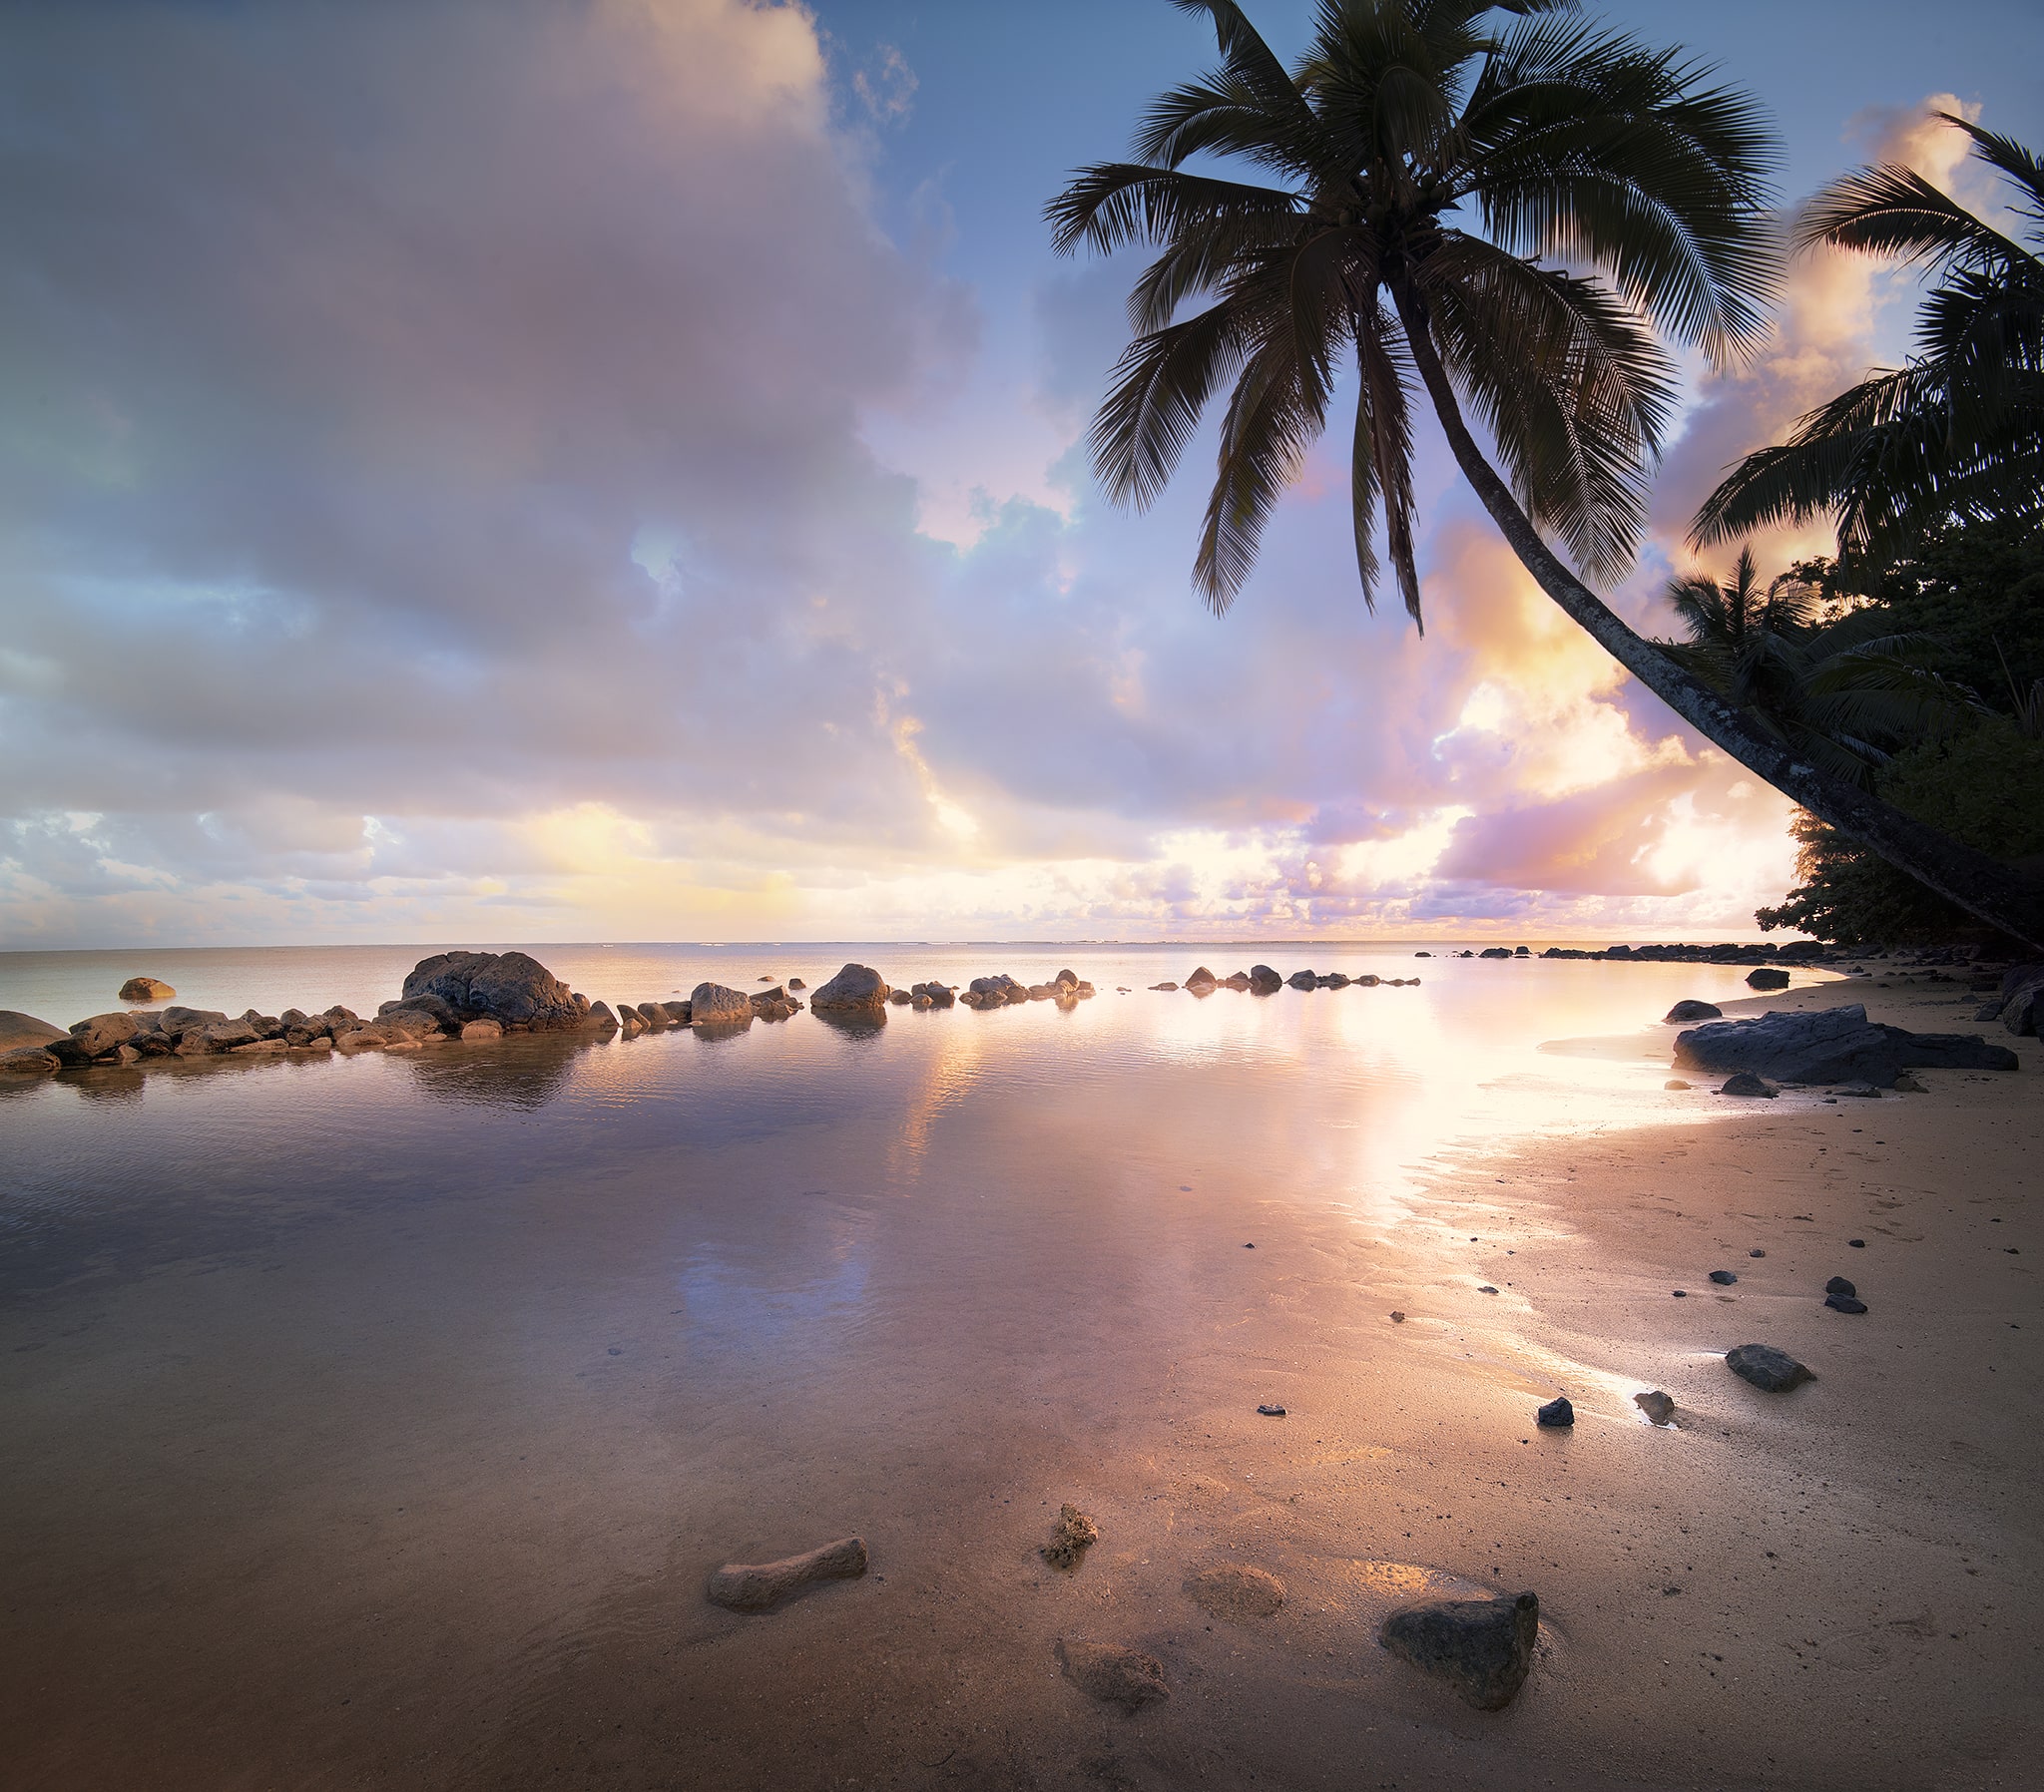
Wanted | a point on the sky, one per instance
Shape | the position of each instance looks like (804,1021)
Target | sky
(613,469)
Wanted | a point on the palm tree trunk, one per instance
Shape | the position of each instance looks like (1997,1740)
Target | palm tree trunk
(1984,887)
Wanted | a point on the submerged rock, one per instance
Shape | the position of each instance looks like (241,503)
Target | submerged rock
(1694,1011)
(1658,1406)
(1073,1534)
(1834,1045)
(759,1586)
(146,989)
(1235,1591)
(1482,1648)
(1770,1370)
(1113,1674)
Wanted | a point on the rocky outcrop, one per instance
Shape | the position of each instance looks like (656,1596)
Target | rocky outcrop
(857,989)
(713,1005)
(19,1031)
(511,988)
(146,989)
(1481,1647)
(1831,1044)
(759,1586)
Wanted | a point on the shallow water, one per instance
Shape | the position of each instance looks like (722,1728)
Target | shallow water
(373,1419)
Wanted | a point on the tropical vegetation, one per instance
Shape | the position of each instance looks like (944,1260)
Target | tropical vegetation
(1513,214)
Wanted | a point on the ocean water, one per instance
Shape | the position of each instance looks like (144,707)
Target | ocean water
(373,1419)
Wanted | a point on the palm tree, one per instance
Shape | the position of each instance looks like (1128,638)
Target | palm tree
(1509,212)
(1841,691)
(1957,431)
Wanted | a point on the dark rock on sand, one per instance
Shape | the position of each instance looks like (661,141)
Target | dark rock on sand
(508,986)
(1235,1591)
(1482,1648)
(1839,1285)
(1831,1044)
(1770,1370)
(1845,1304)
(1658,1406)
(1070,1539)
(1723,1278)
(856,989)
(2022,998)
(1264,981)
(19,1031)
(744,1587)
(713,1005)
(1557,1414)
(1270,1410)
(1113,1674)
(1745,1083)
(146,989)
(1693,1011)
(1766,977)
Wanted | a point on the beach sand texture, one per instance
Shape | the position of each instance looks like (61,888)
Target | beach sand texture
(417,1492)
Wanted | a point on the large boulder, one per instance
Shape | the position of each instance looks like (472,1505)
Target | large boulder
(1481,1647)
(19,1031)
(146,989)
(2022,1000)
(175,1022)
(855,989)
(99,1036)
(711,1005)
(1831,1044)
(507,987)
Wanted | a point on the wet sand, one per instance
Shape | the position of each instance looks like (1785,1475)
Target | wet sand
(426,1506)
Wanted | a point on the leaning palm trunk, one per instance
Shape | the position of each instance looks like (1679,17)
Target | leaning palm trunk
(1984,887)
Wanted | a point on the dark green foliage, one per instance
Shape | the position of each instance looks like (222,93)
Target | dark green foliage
(1984,787)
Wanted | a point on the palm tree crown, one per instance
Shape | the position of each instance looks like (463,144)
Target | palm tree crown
(1843,691)
(1959,430)
(1522,204)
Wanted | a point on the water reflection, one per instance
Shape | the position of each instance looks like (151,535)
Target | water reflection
(523,1072)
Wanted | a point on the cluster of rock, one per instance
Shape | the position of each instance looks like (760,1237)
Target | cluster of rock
(1261,980)
(710,1004)
(1001,990)
(1831,1045)
(1795,952)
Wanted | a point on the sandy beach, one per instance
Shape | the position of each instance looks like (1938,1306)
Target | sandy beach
(423,1492)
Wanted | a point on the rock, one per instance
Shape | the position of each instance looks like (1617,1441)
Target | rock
(1268,1410)
(1766,977)
(1070,1538)
(28,1061)
(1770,1370)
(1235,1591)
(1845,1304)
(1200,982)
(902,998)
(1042,992)
(1831,1044)
(1723,1278)
(1557,1414)
(1302,980)
(373,1035)
(759,1586)
(1839,1285)
(1334,980)
(508,986)
(1905,1083)
(1482,1648)
(711,1005)
(1657,1406)
(1264,981)
(1397,1318)
(146,989)
(417,1020)
(855,989)
(1745,1083)
(473,1030)
(795,982)
(600,1016)
(96,1037)
(1694,1011)
(1164,986)
(681,1014)
(261,1046)
(1865,1092)
(1677,1083)
(19,1031)
(657,1018)
(1071,977)
(1113,1674)
(2022,998)
(175,1022)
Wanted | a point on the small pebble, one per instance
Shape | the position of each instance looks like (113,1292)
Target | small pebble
(1397,1318)
(1723,1278)
(1271,1412)
(1756,1254)
(1248,1247)
(1856,1243)
(1557,1413)
(1487,1289)
(1681,1294)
